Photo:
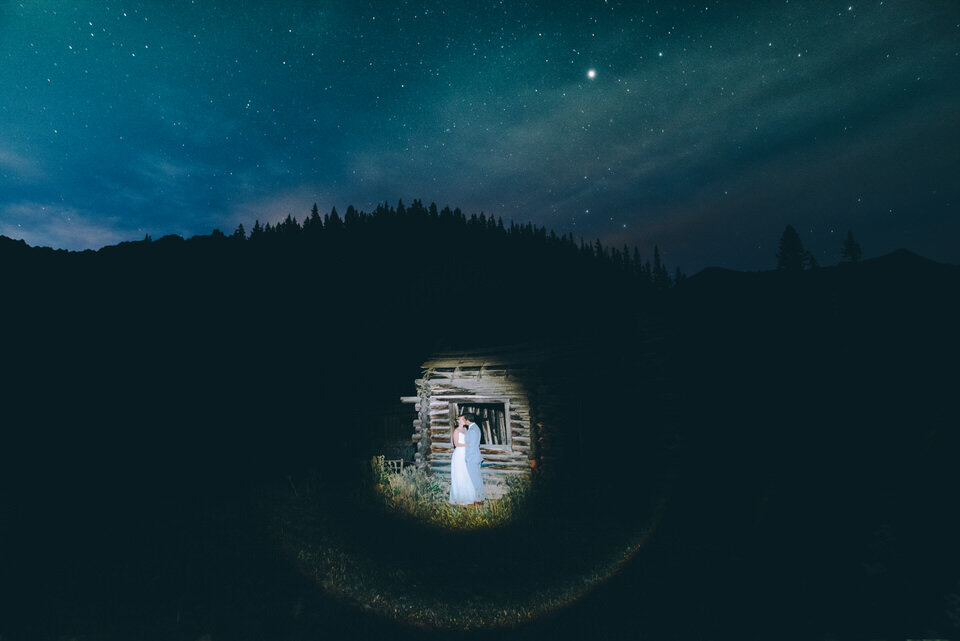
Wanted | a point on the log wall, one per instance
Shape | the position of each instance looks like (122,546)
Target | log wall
(463,379)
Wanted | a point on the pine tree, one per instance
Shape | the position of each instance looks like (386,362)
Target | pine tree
(313,223)
(678,277)
(332,220)
(792,257)
(661,277)
(351,219)
(851,249)
(289,226)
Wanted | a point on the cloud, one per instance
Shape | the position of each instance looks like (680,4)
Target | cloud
(61,227)
(20,167)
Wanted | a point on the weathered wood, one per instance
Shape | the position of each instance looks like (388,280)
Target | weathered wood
(443,451)
(494,388)
(410,399)
(518,465)
(459,379)
(487,472)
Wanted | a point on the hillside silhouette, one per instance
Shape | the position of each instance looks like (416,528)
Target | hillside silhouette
(798,425)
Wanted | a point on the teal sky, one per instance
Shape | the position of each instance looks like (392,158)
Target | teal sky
(703,128)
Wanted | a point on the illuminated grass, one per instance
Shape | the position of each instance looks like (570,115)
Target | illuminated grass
(415,493)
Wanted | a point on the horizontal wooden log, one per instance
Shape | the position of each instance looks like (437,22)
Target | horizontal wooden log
(446,452)
(409,399)
(447,378)
(486,472)
(517,408)
(492,469)
(501,389)
(441,450)
(497,391)
(485,451)
(466,386)
(459,384)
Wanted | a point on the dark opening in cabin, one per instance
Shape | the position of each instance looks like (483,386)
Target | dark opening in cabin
(491,419)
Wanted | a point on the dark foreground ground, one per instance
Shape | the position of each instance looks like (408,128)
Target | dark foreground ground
(797,437)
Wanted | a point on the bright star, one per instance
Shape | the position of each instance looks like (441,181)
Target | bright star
(592,73)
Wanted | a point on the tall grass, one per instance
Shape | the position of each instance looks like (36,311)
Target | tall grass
(424,496)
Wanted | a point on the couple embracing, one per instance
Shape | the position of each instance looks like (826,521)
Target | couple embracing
(466,482)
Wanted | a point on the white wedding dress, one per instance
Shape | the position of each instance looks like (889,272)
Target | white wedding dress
(461,487)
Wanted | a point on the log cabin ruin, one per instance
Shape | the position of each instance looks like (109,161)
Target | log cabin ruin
(489,385)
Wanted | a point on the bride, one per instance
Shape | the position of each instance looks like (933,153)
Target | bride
(462,491)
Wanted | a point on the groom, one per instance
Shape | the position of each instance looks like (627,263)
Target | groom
(472,455)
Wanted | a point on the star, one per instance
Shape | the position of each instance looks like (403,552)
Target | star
(591,73)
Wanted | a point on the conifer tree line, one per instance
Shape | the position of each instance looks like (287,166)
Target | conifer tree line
(418,218)
(792,257)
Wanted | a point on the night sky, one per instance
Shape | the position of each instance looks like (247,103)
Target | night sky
(703,128)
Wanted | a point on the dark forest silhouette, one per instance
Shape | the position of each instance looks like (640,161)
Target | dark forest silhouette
(798,423)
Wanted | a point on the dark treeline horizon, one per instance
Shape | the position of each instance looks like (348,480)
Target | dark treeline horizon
(318,229)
